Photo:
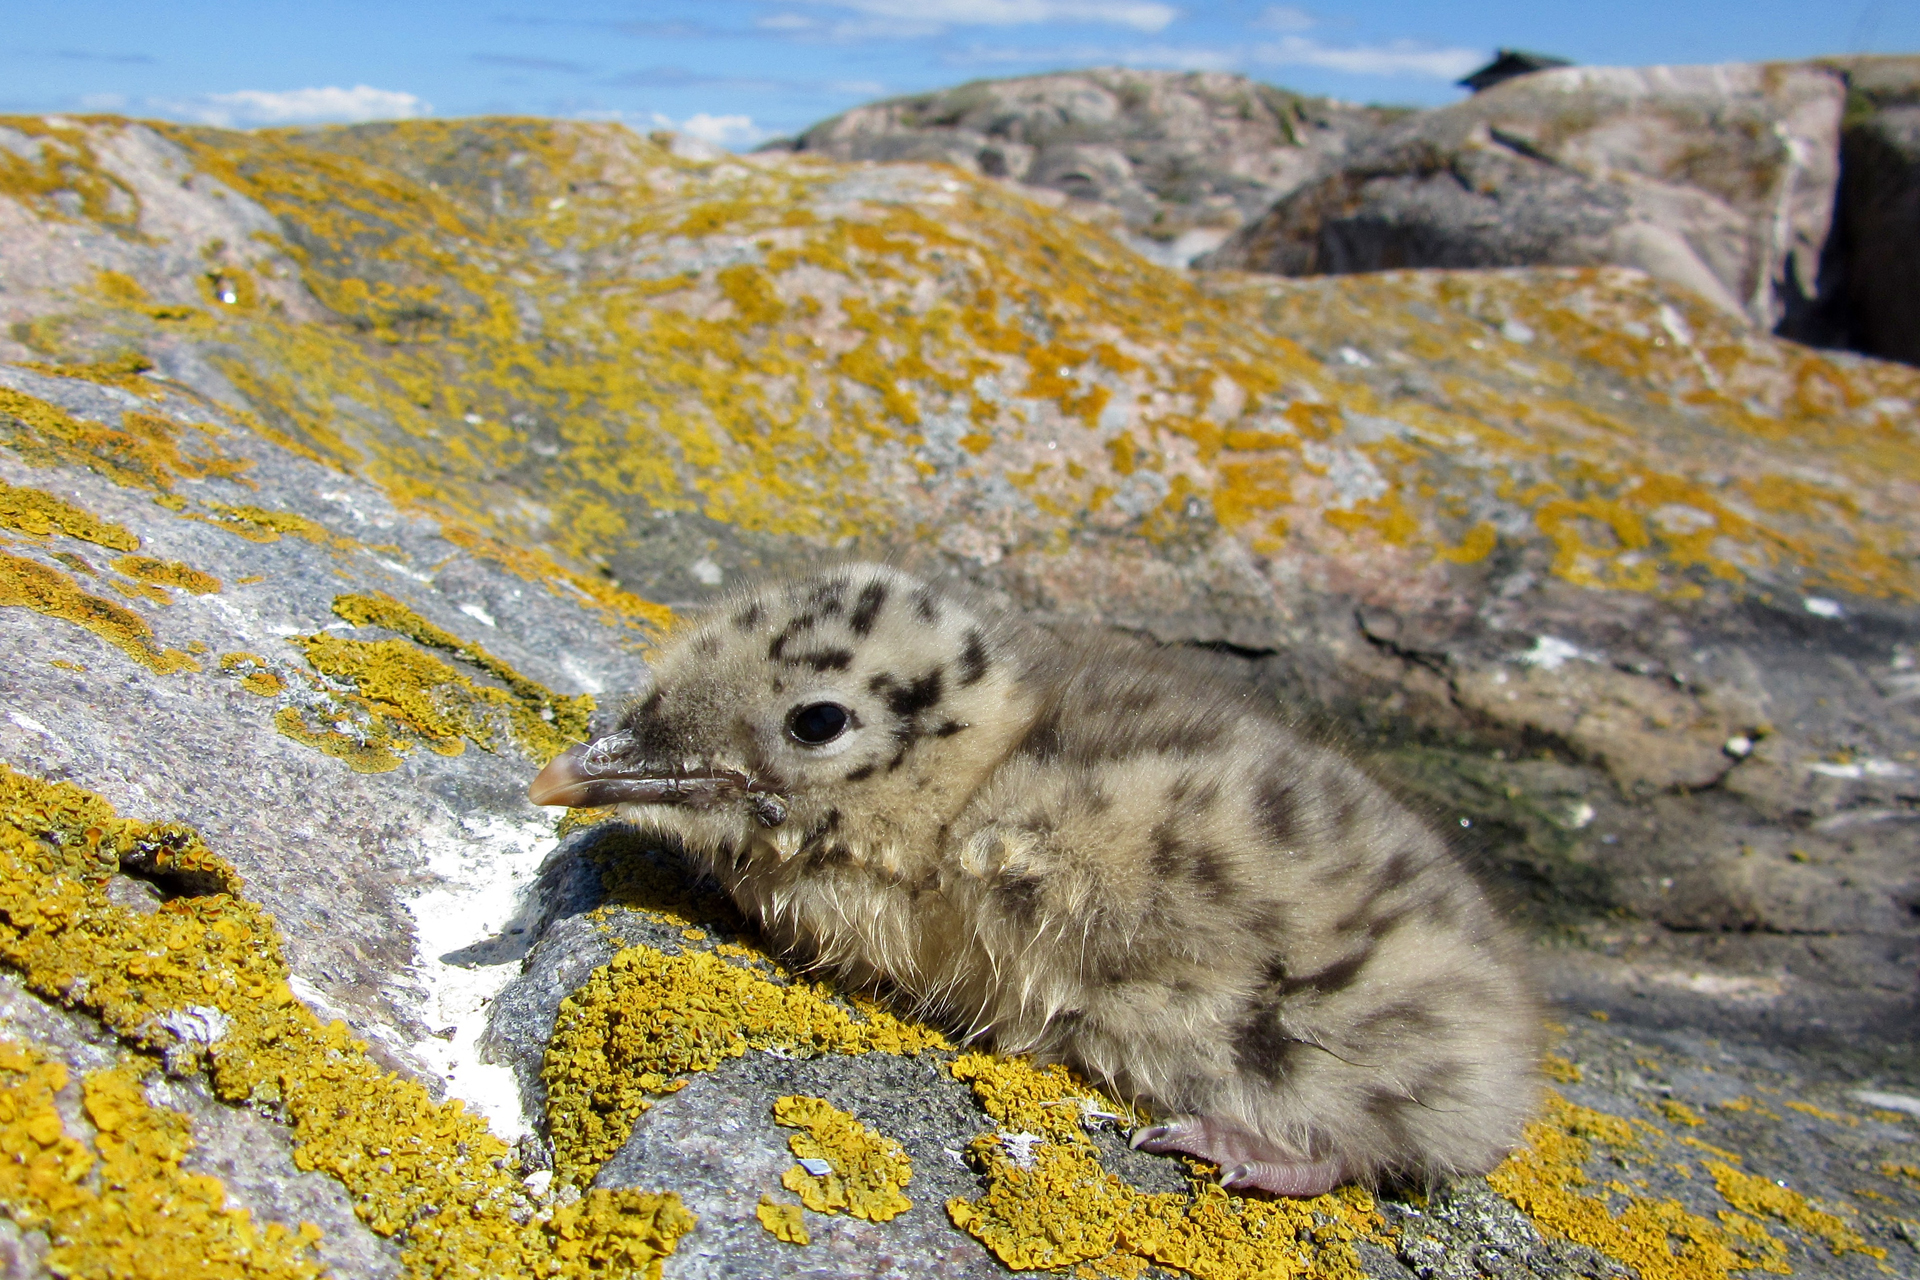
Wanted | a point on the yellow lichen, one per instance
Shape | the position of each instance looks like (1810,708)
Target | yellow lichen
(1049,1203)
(1680,1113)
(256,676)
(1757,1195)
(125,1207)
(257,524)
(167,573)
(146,451)
(645,1020)
(426,1173)
(38,514)
(1807,1108)
(123,370)
(550,721)
(782,1221)
(387,695)
(1660,1239)
(867,1170)
(31,585)
(1559,1068)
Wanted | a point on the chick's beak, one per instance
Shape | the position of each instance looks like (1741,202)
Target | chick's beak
(606,771)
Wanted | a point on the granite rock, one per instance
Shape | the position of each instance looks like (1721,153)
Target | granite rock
(1718,179)
(345,466)
(1184,158)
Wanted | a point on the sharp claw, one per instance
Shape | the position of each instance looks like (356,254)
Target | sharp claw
(1238,1174)
(1148,1133)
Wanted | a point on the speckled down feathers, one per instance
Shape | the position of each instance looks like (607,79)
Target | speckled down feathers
(1087,852)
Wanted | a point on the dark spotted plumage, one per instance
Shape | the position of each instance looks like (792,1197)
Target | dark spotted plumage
(1085,851)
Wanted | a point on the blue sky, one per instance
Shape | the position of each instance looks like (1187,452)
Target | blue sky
(738,71)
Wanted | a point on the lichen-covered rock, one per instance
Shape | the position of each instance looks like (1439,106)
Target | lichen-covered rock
(1718,179)
(348,474)
(1184,158)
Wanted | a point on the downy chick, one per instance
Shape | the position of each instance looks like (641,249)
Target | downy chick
(1085,852)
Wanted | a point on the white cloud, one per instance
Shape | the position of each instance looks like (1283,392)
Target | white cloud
(720,131)
(250,107)
(103,102)
(1396,58)
(1284,17)
(1141,15)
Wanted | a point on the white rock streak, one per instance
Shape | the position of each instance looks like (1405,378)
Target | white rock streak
(482,863)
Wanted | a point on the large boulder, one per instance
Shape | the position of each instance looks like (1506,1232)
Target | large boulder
(1869,297)
(349,473)
(1184,158)
(1718,179)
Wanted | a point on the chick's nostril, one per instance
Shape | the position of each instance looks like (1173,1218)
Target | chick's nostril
(609,753)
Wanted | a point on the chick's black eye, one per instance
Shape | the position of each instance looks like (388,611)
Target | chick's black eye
(817,723)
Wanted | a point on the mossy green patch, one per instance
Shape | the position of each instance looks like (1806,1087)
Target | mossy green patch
(425,1173)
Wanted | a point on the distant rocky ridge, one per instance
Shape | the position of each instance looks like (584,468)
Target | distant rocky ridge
(1785,193)
(1185,158)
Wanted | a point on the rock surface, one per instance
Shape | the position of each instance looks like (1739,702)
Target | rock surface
(1868,279)
(345,467)
(1184,157)
(1716,179)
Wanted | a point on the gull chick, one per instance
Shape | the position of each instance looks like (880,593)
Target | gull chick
(1084,851)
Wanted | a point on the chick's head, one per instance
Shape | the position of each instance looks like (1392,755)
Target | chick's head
(840,710)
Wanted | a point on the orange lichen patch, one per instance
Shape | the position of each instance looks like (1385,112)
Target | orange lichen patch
(1562,1069)
(31,585)
(783,1221)
(126,1207)
(39,514)
(426,1173)
(1680,1113)
(537,566)
(123,370)
(1660,1239)
(363,743)
(1911,1172)
(146,451)
(1050,1204)
(1807,1108)
(58,160)
(378,699)
(257,524)
(567,715)
(645,1020)
(167,573)
(867,1170)
(1757,1195)
(256,676)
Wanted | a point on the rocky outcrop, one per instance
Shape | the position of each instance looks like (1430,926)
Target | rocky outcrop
(349,472)
(1718,179)
(1184,158)
(1869,280)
